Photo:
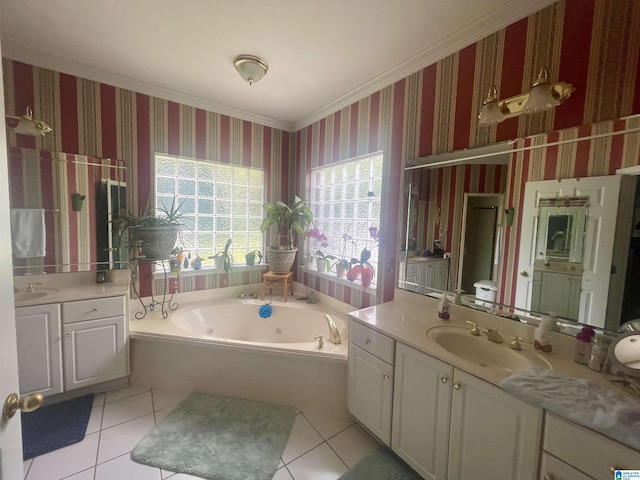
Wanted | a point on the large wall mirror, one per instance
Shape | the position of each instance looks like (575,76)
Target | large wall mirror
(484,225)
(62,210)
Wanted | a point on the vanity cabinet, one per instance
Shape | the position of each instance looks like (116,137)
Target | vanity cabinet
(569,448)
(39,349)
(370,387)
(423,275)
(449,424)
(66,346)
(556,292)
(94,333)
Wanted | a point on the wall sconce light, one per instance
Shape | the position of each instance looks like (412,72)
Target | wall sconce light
(250,68)
(542,96)
(26,125)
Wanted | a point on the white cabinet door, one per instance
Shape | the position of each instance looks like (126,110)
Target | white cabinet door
(94,352)
(421,403)
(370,392)
(39,349)
(493,435)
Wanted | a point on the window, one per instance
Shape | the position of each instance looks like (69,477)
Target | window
(221,201)
(345,201)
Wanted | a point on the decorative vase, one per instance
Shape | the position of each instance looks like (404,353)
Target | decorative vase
(157,242)
(308,262)
(341,271)
(321,264)
(281,261)
(218,262)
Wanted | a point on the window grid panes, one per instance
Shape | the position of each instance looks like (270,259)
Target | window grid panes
(345,201)
(221,201)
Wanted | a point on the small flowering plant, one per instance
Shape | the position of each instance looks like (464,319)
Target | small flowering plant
(361,266)
(344,260)
(321,241)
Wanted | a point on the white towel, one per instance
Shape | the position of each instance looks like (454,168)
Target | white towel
(607,410)
(28,232)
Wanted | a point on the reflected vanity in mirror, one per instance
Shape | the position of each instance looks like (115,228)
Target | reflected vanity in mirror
(574,253)
(76,198)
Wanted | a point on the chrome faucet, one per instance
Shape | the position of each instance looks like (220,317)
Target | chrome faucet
(334,334)
(493,335)
(32,287)
(311,298)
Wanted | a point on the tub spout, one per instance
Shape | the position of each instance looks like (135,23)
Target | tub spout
(334,334)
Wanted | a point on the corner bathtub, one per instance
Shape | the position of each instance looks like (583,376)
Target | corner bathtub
(224,347)
(292,326)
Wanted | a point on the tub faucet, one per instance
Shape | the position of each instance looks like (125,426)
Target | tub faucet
(334,334)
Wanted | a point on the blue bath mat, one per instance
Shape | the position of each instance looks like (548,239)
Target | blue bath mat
(381,464)
(219,438)
(55,426)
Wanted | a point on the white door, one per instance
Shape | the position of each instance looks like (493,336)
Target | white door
(10,433)
(603,193)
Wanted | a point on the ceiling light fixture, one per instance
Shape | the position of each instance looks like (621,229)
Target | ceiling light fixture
(26,125)
(251,68)
(542,96)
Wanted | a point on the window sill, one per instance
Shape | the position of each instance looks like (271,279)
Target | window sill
(371,289)
(158,274)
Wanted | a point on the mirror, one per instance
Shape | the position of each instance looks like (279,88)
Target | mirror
(565,238)
(74,198)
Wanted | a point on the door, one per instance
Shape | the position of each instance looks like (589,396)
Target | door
(10,433)
(480,226)
(603,194)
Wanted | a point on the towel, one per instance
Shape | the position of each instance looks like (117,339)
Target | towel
(28,232)
(606,410)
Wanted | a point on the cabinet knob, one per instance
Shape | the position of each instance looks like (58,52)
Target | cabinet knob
(547,477)
(385,376)
(68,334)
(456,386)
(612,469)
(444,379)
(367,341)
(95,310)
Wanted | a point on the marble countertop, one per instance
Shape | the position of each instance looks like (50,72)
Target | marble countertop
(68,287)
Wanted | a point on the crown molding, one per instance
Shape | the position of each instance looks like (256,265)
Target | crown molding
(69,67)
(490,23)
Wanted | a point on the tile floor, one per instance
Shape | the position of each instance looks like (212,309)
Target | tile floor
(320,447)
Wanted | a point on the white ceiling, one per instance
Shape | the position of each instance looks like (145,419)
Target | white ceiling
(322,54)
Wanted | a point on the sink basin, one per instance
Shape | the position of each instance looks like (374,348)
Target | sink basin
(480,351)
(25,296)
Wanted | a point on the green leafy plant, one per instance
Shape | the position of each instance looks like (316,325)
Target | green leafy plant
(225,256)
(168,216)
(288,219)
(251,256)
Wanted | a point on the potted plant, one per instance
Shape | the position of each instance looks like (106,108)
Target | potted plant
(223,259)
(155,235)
(251,256)
(286,219)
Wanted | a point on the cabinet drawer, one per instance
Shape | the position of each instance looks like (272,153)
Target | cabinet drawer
(373,342)
(92,309)
(554,469)
(596,454)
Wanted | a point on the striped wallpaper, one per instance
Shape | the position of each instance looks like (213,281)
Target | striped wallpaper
(592,44)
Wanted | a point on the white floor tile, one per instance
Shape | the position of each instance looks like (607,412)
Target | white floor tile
(353,444)
(125,392)
(121,439)
(280,464)
(282,474)
(98,399)
(321,463)
(161,414)
(328,425)
(165,398)
(26,466)
(86,475)
(303,438)
(95,420)
(66,461)
(123,468)
(183,476)
(126,409)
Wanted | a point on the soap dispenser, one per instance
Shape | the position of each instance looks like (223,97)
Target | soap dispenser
(443,307)
(542,336)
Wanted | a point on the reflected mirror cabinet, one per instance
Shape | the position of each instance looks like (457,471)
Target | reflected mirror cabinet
(519,245)
(74,199)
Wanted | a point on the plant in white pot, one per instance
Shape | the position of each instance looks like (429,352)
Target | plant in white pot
(286,219)
(155,235)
